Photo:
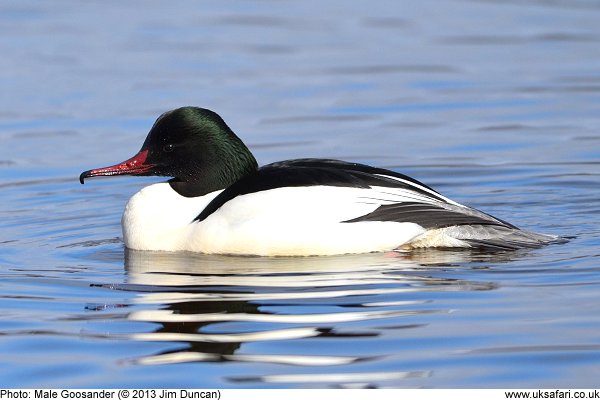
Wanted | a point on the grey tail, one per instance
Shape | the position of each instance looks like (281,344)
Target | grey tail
(495,237)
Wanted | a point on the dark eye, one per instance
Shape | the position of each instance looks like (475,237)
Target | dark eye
(168,148)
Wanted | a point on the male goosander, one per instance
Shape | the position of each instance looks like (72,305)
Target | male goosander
(218,201)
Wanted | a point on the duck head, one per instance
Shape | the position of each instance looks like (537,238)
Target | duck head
(192,145)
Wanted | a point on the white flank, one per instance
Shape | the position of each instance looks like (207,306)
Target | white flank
(291,221)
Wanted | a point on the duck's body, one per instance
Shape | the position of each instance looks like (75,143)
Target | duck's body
(220,202)
(245,225)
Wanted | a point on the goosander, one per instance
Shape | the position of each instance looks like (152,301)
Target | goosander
(219,201)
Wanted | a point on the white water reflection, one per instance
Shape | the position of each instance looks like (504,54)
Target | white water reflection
(170,316)
(299,360)
(215,306)
(363,377)
(276,334)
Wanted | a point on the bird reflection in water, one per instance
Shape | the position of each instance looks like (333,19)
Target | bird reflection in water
(212,305)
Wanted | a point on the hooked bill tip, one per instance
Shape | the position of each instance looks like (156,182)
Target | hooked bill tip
(83,176)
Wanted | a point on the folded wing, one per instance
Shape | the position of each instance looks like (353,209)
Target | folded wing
(396,197)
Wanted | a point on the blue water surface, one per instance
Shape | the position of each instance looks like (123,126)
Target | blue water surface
(494,103)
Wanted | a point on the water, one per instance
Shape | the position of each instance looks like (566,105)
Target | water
(495,104)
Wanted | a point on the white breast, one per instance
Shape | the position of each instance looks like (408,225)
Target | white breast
(157,218)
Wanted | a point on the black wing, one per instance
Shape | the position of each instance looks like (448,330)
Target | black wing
(431,216)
